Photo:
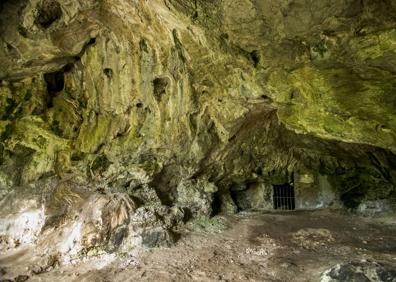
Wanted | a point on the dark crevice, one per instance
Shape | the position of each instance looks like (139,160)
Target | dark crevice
(89,43)
(165,183)
(48,12)
(232,138)
(9,109)
(92,41)
(234,197)
(23,156)
(77,156)
(376,163)
(159,85)
(55,127)
(22,31)
(143,46)
(255,56)
(7,132)
(68,67)
(216,204)
(100,164)
(187,214)
(352,199)
(55,83)
(108,72)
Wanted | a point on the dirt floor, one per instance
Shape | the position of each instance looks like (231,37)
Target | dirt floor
(287,246)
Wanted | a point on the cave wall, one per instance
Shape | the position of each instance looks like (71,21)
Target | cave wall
(155,93)
(180,109)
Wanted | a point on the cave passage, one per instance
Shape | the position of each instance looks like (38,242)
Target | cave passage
(283,197)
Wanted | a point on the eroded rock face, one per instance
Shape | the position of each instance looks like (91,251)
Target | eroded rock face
(75,222)
(328,65)
(147,113)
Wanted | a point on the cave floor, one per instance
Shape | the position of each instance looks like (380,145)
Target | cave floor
(256,246)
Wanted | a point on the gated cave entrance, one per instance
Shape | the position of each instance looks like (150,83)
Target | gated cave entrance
(283,197)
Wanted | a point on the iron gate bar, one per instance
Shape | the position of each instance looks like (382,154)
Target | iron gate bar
(287,197)
(280,197)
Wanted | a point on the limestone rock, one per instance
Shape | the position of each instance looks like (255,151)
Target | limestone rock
(196,196)
(360,271)
(145,113)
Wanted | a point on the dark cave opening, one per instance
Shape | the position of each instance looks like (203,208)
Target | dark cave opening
(47,13)
(352,199)
(55,83)
(216,204)
(235,199)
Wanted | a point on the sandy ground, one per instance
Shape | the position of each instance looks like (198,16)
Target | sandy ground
(288,246)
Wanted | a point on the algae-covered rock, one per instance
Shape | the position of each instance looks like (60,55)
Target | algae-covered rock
(177,86)
(149,113)
(338,103)
(253,197)
(196,196)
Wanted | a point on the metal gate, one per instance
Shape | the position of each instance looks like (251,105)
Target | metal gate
(283,197)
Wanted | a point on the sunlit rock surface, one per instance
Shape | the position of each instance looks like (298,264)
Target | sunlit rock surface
(120,120)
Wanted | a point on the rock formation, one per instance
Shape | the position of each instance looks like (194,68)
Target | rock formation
(121,119)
